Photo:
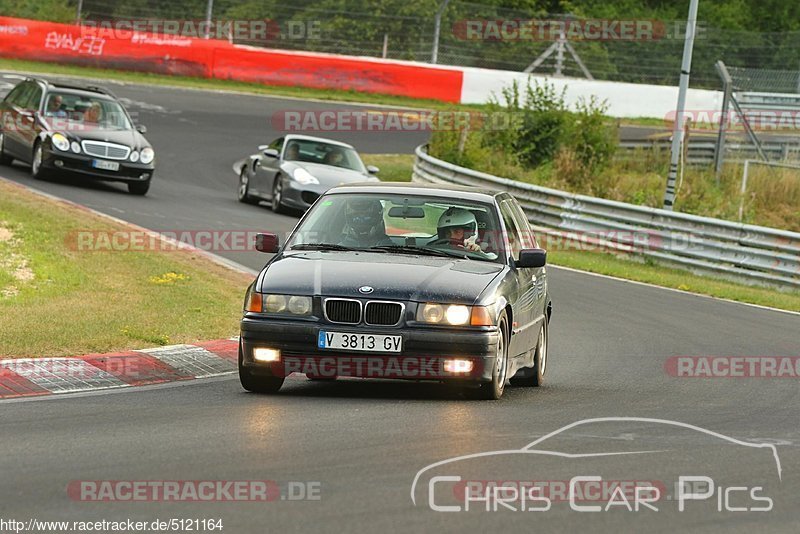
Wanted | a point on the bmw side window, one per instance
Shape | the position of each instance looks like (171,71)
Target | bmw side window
(512,230)
(528,239)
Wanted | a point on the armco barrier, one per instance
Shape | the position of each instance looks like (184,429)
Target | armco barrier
(63,43)
(754,254)
(701,152)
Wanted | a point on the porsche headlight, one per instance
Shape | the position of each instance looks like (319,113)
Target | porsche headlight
(291,304)
(147,155)
(304,177)
(454,314)
(60,142)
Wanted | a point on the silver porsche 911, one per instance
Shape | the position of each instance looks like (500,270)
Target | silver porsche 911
(294,170)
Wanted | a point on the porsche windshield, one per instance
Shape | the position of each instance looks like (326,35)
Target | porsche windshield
(402,224)
(312,151)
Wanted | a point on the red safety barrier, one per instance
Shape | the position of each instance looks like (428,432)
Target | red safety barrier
(328,71)
(164,54)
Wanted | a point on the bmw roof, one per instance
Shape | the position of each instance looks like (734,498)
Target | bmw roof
(405,188)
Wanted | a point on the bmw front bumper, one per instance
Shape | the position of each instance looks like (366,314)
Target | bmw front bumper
(424,351)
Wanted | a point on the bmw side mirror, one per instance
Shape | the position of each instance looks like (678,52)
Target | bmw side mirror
(270,152)
(532,258)
(372,169)
(267,243)
(142,129)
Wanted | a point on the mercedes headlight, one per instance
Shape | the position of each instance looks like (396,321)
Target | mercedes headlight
(60,142)
(454,314)
(147,155)
(134,156)
(304,177)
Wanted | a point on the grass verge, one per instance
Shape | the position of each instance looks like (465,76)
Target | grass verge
(59,301)
(394,167)
(620,267)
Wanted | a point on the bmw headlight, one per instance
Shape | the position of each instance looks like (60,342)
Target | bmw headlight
(60,142)
(454,314)
(147,155)
(291,304)
(304,177)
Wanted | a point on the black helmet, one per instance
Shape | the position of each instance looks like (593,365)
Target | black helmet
(364,216)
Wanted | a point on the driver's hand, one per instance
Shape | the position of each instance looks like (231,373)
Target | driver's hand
(472,247)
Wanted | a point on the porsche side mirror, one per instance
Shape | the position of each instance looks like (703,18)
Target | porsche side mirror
(267,243)
(372,169)
(532,258)
(271,152)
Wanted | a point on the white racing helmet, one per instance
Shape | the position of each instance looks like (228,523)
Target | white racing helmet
(457,218)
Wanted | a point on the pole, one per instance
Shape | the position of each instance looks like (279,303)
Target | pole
(560,54)
(385,45)
(209,10)
(78,15)
(719,153)
(677,131)
(744,188)
(437,27)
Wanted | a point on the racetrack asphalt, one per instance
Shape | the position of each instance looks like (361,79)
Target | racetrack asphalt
(365,441)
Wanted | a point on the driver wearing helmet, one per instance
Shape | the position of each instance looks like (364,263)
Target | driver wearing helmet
(364,226)
(459,228)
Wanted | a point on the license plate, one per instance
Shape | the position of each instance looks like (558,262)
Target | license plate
(359,342)
(105,165)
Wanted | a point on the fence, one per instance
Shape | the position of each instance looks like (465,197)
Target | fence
(407,28)
(753,254)
(701,152)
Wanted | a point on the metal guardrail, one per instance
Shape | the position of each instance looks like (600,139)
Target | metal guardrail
(701,152)
(749,253)
(769,101)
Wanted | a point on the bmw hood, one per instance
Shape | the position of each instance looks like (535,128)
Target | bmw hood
(328,175)
(392,276)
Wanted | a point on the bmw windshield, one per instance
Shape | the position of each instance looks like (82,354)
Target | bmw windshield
(401,224)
